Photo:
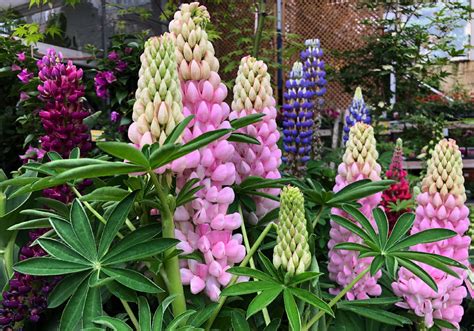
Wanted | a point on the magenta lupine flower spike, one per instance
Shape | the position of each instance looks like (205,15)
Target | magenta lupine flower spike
(359,162)
(62,116)
(253,95)
(441,204)
(204,224)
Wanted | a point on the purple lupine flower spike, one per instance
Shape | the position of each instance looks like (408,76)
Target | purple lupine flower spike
(298,121)
(357,112)
(315,75)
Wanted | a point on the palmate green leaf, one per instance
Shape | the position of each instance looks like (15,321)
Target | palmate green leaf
(353,247)
(433,260)
(444,324)
(401,227)
(160,156)
(202,315)
(262,300)
(178,130)
(92,307)
(113,323)
(179,320)
(268,266)
(356,191)
(419,272)
(377,264)
(238,321)
(382,225)
(303,277)
(48,266)
(311,298)
(142,234)
(60,251)
(422,237)
(391,264)
(253,183)
(65,231)
(370,302)
(364,222)
(124,151)
(187,193)
(243,138)
(82,228)
(252,273)
(378,315)
(60,208)
(38,223)
(132,279)
(351,226)
(75,153)
(72,313)
(95,171)
(62,165)
(292,310)
(249,287)
(65,288)
(246,120)
(108,193)
(160,311)
(122,292)
(140,251)
(53,156)
(144,314)
(115,221)
(39,213)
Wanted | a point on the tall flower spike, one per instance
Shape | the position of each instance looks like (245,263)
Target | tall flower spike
(315,75)
(298,121)
(357,112)
(399,191)
(204,225)
(359,162)
(253,95)
(158,106)
(292,250)
(441,204)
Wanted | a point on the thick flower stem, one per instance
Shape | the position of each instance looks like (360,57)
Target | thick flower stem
(175,286)
(266,316)
(130,313)
(246,260)
(336,299)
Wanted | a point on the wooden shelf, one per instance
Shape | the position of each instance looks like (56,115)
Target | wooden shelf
(416,165)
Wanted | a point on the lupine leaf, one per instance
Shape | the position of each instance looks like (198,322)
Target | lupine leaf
(292,310)
(65,231)
(249,287)
(142,234)
(160,311)
(48,266)
(311,298)
(38,223)
(352,247)
(144,314)
(71,164)
(351,226)
(392,266)
(73,310)
(303,277)
(178,130)
(246,120)
(115,222)
(60,251)
(121,292)
(376,264)
(423,237)
(268,265)
(370,302)
(175,323)
(382,225)
(273,326)
(401,227)
(113,323)
(238,321)
(243,138)
(92,307)
(262,300)
(364,222)
(132,279)
(124,151)
(202,315)
(94,171)
(249,272)
(61,208)
(160,156)
(140,251)
(107,193)
(430,260)
(418,271)
(65,288)
(379,315)
(82,228)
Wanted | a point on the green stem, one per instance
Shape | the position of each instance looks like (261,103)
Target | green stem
(8,254)
(130,314)
(317,217)
(336,299)
(92,210)
(266,316)
(244,262)
(171,264)
(259,31)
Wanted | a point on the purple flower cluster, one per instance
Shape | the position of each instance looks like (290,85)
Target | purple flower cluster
(103,79)
(26,297)
(62,115)
(357,112)
(298,121)
(315,75)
